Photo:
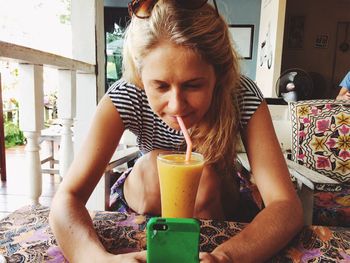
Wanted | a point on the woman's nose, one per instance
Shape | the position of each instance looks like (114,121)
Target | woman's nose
(176,101)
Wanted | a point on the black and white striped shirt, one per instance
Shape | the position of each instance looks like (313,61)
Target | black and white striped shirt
(249,99)
(151,132)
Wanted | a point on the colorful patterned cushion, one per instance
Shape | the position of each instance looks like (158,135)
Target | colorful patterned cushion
(321,137)
(332,208)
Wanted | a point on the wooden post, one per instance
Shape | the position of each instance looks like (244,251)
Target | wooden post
(31,120)
(66,106)
(87,31)
(2,141)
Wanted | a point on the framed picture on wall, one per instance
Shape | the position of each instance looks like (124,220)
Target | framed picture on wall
(321,41)
(243,36)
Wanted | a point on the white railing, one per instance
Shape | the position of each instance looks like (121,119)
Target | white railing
(31,106)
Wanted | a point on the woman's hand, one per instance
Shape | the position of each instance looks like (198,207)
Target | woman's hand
(344,94)
(214,257)
(133,257)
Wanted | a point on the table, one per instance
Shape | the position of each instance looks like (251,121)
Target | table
(25,236)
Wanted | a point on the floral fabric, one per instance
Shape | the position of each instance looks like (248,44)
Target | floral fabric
(321,142)
(321,137)
(25,236)
(332,208)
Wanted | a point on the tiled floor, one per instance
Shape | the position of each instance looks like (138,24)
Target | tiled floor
(13,192)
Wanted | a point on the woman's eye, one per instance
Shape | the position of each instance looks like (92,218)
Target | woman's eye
(193,86)
(162,87)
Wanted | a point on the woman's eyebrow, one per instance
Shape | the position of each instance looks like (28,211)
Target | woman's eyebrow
(156,81)
(194,80)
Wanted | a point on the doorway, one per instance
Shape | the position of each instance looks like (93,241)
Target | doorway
(341,64)
(115,21)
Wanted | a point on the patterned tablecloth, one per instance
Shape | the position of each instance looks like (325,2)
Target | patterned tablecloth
(25,236)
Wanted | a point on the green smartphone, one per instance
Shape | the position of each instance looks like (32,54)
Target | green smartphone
(173,240)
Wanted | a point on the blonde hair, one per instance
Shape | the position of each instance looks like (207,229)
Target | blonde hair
(205,33)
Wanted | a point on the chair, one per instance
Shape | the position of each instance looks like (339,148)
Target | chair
(321,142)
(123,158)
(51,136)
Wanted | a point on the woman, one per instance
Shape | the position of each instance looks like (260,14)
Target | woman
(178,61)
(344,92)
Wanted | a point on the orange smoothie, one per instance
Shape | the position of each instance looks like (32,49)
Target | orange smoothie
(179,182)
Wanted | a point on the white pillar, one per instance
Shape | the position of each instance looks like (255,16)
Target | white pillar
(31,121)
(66,153)
(33,166)
(87,38)
(66,106)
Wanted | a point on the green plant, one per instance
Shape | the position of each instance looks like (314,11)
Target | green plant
(13,135)
(114,53)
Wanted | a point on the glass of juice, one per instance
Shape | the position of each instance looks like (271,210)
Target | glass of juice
(179,180)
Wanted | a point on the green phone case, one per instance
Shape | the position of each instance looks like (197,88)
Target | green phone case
(172,240)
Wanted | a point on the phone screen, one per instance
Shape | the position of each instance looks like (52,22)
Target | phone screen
(173,240)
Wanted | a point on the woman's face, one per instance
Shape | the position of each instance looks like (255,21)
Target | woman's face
(177,82)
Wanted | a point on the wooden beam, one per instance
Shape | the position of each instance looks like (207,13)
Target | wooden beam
(22,54)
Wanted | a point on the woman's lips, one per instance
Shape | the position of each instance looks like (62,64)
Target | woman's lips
(184,116)
(174,120)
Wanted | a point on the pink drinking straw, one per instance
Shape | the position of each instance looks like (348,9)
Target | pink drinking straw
(187,138)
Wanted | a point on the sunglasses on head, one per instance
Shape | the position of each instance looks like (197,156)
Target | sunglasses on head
(143,8)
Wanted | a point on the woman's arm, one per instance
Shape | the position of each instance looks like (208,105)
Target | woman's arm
(281,218)
(343,94)
(69,219)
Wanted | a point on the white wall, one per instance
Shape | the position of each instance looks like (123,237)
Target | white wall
(240,12)
(271,32)
(83,46)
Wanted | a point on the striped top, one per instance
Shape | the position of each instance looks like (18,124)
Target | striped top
(249,99)
(153,133)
